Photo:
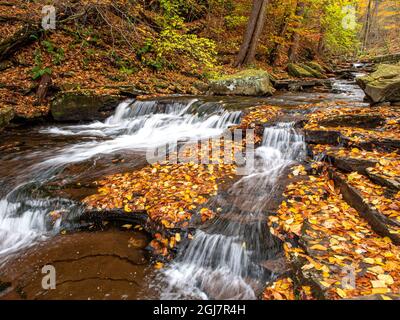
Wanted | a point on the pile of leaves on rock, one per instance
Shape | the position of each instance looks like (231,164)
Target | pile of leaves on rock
(334,252)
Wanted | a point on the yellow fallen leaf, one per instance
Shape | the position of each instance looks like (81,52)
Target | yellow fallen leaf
(386,278)
(369,260)
(341,293)
(378,284)
(380,290)
(318,247)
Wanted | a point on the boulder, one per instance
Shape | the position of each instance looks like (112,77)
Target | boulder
(316,66)
(297,71)
(251,82)
(383,85)
(314,72)
(6,115)
(83,107)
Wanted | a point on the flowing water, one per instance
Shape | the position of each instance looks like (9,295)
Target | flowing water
(225,258)
(24,209)
(223,261)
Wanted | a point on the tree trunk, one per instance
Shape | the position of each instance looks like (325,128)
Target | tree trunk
(275,52)
(253,31)
(367,25)
(294,48)
(44,84)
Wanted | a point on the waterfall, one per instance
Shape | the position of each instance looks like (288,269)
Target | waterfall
(223,259)
(135,125)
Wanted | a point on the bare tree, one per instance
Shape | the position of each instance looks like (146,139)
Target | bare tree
(253,31)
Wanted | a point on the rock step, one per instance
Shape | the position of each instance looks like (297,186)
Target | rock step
(391,183)
(336,138)
(378,222)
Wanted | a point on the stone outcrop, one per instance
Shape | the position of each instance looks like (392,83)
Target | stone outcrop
(249,82)
(83,107)
(383,85)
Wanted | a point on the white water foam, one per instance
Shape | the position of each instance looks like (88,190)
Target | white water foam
(222,259)
(24,218)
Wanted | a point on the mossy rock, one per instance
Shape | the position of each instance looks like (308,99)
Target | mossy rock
(316,66)
(383,85)
(6,115)
(297,71)
(314,72)
(250,82)
(83,107)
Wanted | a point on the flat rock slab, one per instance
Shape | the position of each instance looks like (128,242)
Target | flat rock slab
(351,164)
(391,183)
(336,138)
(354,120)
(89,265)
(378,222)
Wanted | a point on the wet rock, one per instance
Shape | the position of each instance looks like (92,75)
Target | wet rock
(6,115)
(378,222)
(383,84)
(89,265)
(300,85)
(356,120)
(330,137)
(249,82)
(83,107)
(351,164)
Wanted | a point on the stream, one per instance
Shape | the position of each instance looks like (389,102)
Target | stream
(225,258)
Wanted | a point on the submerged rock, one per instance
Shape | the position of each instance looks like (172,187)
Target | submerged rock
(383,85)
(251,82)
(83,107)
(6,115)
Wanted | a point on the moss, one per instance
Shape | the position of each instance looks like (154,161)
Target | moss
(314,72)
(383,84)
(298,72)
(6,115)
(316,66)
(249,82)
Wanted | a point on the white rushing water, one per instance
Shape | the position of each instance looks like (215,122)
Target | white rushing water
(24,214)
(223,259)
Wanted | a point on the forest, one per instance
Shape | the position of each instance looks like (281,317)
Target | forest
(200,150)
